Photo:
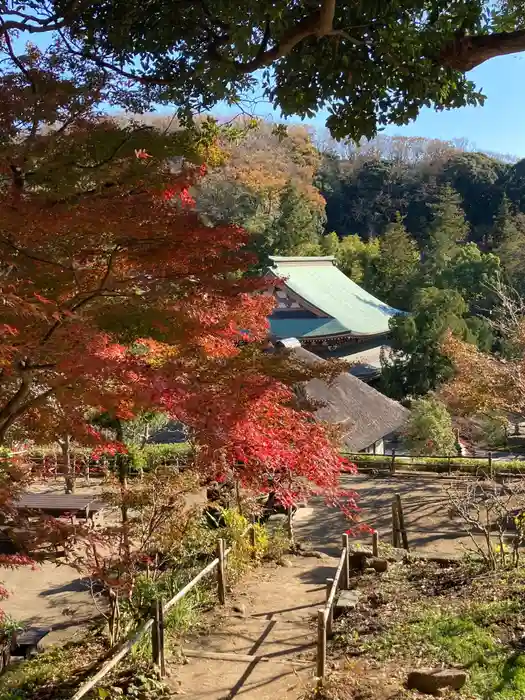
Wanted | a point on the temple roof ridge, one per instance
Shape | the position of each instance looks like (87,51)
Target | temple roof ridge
(317,284)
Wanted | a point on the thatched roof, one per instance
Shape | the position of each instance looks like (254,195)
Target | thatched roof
(364,414)
(172,433)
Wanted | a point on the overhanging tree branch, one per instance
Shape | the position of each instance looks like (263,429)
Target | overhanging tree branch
(318,24)
(465,53)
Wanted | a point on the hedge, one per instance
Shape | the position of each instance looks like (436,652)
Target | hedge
(439,464)
(145,458)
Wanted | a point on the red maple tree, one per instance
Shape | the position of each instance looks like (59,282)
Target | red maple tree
(118,298)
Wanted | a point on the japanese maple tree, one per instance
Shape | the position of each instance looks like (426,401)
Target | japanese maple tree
(117,298)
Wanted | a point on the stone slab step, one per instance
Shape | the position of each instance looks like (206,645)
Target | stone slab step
(347,600)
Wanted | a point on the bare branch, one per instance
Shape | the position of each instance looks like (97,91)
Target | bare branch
(19,182)
(32,256)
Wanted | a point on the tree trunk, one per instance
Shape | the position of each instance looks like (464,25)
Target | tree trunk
(238,497)
(122,463)
(67,468)
(145,436)
(289,526)
(114,618)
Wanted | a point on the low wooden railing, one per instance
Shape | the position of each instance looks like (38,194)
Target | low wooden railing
(453,465)
(325,616)
(156,623)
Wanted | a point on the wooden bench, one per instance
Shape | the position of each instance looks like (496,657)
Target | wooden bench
(60,504)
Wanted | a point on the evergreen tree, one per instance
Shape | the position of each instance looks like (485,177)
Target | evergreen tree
(447,228)
(509,234)
(330,244)
(417,364)
(473,274)
(504,225)
(356,258)
(396,266)
(298,226)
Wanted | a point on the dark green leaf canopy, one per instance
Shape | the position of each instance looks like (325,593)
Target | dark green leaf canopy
(370,63)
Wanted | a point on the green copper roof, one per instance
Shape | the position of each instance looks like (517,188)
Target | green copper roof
(318,282)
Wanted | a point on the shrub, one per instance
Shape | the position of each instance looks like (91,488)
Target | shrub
(429,430)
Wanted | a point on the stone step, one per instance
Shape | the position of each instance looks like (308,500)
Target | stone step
(347,600)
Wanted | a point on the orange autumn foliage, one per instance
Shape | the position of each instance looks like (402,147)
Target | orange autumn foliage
(483,382)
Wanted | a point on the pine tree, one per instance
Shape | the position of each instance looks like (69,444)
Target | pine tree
(504,225)
(447,229)
(508,236)
(397,265)
(298,225)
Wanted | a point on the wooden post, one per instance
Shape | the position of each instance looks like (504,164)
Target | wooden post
(157,636)
(375,543)
(329,611)
(221,573)
(395,524)
(162,662)
(489,456)
(345,576)
(401,521)
(321,644)
(393,463)
(253,548)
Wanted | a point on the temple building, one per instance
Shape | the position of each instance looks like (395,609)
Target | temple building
(365,417)
(330,315)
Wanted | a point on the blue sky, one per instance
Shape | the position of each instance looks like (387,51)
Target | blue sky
(497,126)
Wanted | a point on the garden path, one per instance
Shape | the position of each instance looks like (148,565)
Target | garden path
(274,616)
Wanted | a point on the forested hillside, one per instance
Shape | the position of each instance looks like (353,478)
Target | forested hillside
(430,227)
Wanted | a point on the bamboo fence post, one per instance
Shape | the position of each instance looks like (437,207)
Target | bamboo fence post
(321,644)
(345,584)
(253,548)
(395,525)
(329,610)
(393,463)
(401,521)
(375,543)
(221,573)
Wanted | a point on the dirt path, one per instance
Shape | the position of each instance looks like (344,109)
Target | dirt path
(281,602)
(278,607)
(428,519)
(54,596)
